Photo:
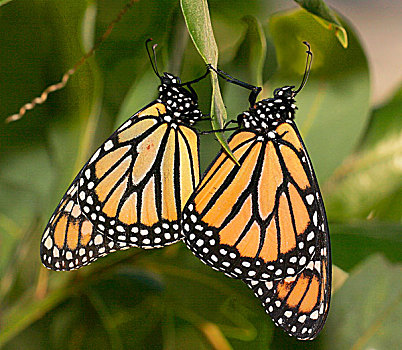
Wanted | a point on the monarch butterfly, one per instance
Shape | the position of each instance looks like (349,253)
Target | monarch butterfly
(132,190)
(265,222)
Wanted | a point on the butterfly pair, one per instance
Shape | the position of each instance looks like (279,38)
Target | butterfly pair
(263,222)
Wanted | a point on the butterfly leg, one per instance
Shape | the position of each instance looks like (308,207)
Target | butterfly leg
(197,80)
(189,83)
(224,129)
(255,90)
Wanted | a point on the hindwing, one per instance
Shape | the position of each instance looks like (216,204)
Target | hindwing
(300,304)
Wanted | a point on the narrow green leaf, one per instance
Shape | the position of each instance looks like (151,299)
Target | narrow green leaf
(366,311)
(198,21)
(325,16)
(340,32)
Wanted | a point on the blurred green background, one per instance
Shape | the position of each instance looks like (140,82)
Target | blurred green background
(166,298)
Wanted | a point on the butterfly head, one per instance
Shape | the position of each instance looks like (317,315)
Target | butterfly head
(170,88)
(284,92)
(181,104)
(168,79)
(266,114)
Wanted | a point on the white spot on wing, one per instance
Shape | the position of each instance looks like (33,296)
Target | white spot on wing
(98,239)
(95,156)
(48,243)
(55,252)
(315,218)
(108,145)
(269,285)
(302,318)
(69,206)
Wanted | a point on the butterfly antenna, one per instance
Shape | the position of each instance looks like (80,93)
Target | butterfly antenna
(153,62)
(307,70)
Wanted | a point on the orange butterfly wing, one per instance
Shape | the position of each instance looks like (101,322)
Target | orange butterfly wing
(136,184)
(70,240)
(300,304)
(260,220)
(129,194)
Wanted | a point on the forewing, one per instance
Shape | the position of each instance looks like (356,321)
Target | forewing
(135,185)
(259,221)
(220,222)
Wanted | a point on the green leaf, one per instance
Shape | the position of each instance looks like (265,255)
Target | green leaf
(359,188)
(323,15)
(142,92)
(252,51)
(355,241)
(3,2)
(385,122)
(334,104)
(196,15)
(188,281)
(366,311)
(198,21)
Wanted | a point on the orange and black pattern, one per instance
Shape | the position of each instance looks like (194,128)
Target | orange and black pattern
(132,190)
(70,240)
(260,220)
(300,304)
(265,222)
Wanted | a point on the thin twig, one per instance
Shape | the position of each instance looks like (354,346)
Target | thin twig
(66,76)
